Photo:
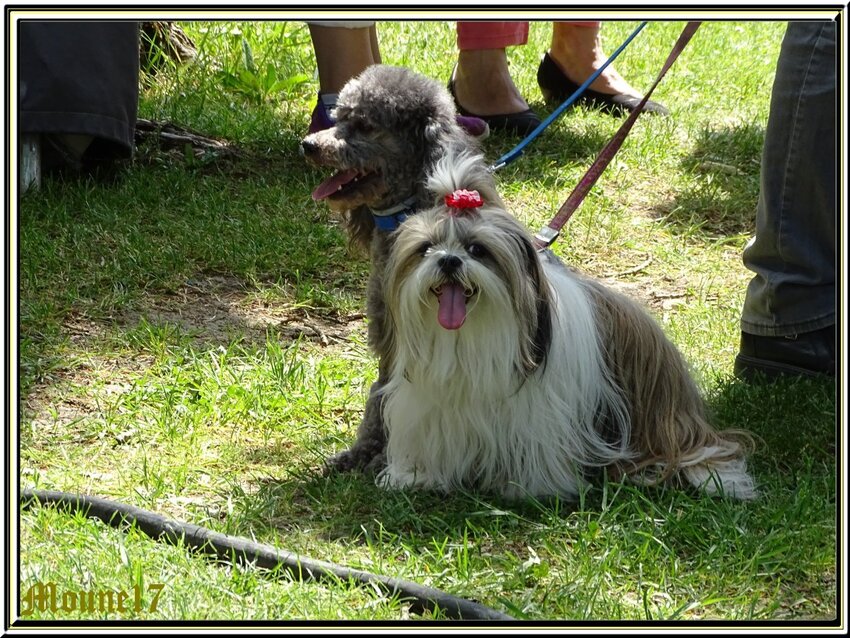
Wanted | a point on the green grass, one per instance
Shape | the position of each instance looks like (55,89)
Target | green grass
(192,341)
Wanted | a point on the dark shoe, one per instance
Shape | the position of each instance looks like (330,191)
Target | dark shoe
(321,117)
(521,123)
(557,87)
(810,354)
(73,156)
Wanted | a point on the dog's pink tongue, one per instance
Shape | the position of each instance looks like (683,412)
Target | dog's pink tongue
(452,311)
(333,184)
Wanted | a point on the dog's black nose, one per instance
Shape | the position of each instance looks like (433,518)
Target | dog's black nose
(450,263)
(308,147)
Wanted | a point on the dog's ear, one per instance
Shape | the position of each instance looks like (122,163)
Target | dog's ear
(539,346)
(437,140)
(434,132)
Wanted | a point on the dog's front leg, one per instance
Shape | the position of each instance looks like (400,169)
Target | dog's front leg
(369,450)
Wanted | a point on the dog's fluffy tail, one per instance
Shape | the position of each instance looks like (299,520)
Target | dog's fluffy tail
(718,478)
(670,433)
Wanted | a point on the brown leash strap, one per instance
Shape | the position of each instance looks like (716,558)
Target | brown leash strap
(549,233)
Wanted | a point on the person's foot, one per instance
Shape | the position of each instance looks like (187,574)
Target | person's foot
(557,86)
(64,151)
(809,354)
(321,117)
(575,54)
(482,87)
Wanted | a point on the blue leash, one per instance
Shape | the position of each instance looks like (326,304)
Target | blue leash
(513,154)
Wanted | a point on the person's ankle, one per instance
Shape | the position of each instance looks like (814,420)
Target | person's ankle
(483,85)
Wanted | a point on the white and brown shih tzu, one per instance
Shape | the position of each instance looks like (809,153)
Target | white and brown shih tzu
(515,374)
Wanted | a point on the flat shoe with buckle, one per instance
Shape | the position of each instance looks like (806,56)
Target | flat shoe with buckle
(557,87)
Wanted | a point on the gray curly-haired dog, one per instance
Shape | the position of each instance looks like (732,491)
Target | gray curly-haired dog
(392,125)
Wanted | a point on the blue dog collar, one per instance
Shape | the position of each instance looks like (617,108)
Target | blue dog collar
(389,219)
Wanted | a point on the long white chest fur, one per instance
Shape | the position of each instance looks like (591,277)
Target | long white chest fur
(459,411)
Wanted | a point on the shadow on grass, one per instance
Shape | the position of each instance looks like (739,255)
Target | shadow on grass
(561,148)
(716,196)
(794,419)
(720,198)
(350,507)
(794,423)
(571,139)
(179,249)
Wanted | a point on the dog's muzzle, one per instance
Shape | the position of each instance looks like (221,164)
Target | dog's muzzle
(308,148)
(450,264)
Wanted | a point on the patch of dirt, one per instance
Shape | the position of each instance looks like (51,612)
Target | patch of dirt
(54,405)
(656,298)
(217,308)
(635,276)
(657,295)
(212,309)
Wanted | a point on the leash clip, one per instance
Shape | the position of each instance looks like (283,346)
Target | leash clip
(546,236)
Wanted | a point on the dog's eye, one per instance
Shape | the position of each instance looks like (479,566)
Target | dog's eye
(424,247)
(477,251)
(364,128)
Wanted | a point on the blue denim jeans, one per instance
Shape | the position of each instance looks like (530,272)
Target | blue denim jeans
(793,251)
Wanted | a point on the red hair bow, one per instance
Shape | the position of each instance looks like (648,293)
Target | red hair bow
(463,198)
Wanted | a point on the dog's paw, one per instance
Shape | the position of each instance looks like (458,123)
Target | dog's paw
(376,464)
(340,463)
(394,477)
(354,459)
(723,478)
